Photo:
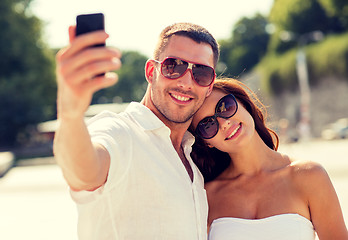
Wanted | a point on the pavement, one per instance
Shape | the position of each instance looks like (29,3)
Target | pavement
(35,201)
(35,204)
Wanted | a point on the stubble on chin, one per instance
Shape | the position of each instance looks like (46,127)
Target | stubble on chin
(175,116)
(171,113)
(164,106)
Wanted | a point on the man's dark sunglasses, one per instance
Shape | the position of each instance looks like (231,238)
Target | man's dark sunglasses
(208,127)
(173,68)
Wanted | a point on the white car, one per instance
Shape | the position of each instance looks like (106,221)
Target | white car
(336,130)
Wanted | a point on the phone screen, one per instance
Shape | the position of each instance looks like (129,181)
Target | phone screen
(88,23)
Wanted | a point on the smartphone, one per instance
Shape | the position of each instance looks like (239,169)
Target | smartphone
(88,23)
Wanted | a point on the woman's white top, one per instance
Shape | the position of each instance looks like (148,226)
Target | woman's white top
(278,227)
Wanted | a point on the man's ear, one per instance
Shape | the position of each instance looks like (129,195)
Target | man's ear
(149,70)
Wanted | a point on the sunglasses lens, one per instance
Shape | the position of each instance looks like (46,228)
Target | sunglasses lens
(207,128)
(173,68)
(227,107)
(203,75)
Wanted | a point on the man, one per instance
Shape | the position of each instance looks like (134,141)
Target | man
(131,174)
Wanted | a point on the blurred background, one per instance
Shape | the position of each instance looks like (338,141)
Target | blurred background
(292,53)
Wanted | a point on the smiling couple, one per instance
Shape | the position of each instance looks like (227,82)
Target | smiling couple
(132,175)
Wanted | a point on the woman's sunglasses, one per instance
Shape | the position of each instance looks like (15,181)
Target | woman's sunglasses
(173,68)
(208,127)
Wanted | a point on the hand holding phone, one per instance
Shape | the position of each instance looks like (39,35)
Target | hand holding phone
(80,67)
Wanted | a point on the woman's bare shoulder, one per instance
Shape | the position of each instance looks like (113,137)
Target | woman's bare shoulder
(306,167)
(308,173)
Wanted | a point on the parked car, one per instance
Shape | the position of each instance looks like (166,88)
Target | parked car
(336,130)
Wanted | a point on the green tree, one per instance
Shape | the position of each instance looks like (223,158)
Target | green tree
(247,45)
(27,86)
(132,83)
(296,17)
(337,10)
(297,23)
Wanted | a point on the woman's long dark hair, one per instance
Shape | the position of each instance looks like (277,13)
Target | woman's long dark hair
(211,161)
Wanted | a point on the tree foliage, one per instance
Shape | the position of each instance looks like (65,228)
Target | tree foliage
(247,45)
(337,10)
(299,16)
(269,44)
(300,20)
(27,86)
(295,18)
(132,83)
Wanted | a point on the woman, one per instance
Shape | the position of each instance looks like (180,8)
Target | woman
(255,192)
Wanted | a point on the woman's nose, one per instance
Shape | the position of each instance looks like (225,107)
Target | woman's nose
(223,122)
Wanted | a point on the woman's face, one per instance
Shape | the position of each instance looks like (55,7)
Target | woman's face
(233,132)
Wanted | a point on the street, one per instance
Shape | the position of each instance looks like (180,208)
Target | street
(35,204)
(35,201)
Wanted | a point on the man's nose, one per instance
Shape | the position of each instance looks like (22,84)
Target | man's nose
(186,81)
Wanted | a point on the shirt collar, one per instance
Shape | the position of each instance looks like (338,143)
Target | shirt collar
(149,121)
(188,139)
(144,116)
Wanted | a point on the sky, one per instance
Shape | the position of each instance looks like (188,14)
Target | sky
(136,24)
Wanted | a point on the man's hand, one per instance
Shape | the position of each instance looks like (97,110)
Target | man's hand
(77,66)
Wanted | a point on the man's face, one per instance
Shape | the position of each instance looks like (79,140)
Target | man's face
(178,99)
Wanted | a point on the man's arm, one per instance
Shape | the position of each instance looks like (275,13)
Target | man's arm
(85,165)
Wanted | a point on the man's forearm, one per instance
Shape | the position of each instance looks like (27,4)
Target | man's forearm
(84,165)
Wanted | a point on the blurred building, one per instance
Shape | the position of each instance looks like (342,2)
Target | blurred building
(47,129)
